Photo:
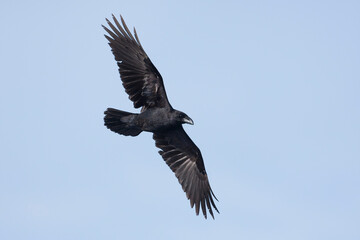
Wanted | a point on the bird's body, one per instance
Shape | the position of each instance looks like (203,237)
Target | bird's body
(157,119)
(145,87)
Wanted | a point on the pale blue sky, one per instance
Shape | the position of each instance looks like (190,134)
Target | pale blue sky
(273,88)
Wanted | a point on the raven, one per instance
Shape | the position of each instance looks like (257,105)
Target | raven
(144,85)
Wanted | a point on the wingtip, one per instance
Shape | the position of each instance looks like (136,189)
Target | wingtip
(114,18)
(212,193)
(205,213)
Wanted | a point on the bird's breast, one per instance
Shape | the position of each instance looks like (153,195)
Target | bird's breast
(154,120)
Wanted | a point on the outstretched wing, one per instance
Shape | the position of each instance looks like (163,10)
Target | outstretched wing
(141,80)
(185,160)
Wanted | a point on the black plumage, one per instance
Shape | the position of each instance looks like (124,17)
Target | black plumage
(144,85)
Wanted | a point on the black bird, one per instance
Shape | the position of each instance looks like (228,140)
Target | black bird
(144,85)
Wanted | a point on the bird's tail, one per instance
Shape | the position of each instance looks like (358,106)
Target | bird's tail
(121,122)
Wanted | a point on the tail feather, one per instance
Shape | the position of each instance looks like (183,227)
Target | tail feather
(121,122)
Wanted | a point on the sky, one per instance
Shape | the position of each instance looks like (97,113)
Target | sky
(272,86)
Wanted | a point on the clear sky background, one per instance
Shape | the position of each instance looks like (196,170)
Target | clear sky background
(273,88)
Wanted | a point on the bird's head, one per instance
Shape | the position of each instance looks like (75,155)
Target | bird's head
(183,118)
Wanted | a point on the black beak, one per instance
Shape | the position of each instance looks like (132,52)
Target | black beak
(188,120)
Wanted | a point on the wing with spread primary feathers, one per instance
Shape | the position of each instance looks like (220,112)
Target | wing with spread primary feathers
(185,160)
(141,80)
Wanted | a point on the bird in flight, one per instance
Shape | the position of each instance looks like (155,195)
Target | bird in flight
(145,87)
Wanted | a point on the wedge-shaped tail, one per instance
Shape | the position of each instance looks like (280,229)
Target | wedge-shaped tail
(121,122)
